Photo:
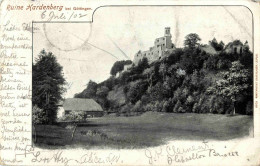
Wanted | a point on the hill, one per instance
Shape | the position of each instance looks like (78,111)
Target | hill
(189,79)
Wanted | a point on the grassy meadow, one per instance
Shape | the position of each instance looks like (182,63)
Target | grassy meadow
(149,129)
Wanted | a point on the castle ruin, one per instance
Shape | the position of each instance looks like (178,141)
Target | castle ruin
(163,46)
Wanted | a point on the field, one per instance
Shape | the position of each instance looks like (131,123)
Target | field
(149,129)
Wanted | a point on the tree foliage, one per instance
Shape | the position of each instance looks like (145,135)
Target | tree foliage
(48,84)
(234,83)
(38,115)
(218,46)
(119,66)
(188,80)
(192,40)
(75,116)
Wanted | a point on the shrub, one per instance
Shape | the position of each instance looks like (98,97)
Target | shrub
(195,108)
(145,99)
(166,106)
(155,106)
(181,110)
(126,108)
(138,107)
(38,115)
(158,106)
(75,116)
(177,106)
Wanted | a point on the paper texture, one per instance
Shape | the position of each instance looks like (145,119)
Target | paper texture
(134,120)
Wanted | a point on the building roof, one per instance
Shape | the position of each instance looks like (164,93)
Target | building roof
(236,42)
(78,104)
(209,49)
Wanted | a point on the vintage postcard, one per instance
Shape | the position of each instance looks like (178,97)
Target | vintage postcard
(129,82)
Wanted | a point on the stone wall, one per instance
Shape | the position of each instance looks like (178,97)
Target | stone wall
(161,45)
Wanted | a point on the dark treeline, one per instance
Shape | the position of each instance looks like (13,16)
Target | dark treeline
(188,80)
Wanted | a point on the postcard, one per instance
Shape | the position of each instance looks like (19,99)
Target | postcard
(129,82)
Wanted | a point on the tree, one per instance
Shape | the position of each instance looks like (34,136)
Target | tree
(119,66)
(234,83)
(163,70)
(218,46)
(102,91)
(142,65)
(192,40)
(48,84)
(136,90)
(101,95)
(90,91)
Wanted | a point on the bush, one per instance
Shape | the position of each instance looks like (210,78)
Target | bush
(166,106)
(126,108)
(181,110)
(155,106)
(138,107)
(75,116)
(189,103)
(38,115)
(195,108)
(177,106)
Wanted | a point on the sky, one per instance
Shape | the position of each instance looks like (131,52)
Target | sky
(87,51)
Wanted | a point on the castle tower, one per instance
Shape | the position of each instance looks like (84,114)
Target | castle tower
(168,37)
(167,31)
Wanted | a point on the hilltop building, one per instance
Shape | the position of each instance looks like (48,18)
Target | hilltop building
(236,47)
(163,46)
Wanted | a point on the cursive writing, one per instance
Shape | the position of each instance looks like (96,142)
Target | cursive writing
(59,157)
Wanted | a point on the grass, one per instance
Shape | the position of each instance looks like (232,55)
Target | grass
(149,129)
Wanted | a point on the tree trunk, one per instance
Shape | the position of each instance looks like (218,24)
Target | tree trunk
(234,109)
(35,134)
(72,136)
(47,98)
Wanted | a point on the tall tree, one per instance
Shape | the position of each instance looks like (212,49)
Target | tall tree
(163,70)
(192,40)
(234,83)
(48,84)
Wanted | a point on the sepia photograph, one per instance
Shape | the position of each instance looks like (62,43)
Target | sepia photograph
(141,76)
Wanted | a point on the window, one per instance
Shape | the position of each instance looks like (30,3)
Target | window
(157,40)
(235,50)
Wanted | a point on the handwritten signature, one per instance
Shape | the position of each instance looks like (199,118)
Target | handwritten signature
(173,154)
(58,157)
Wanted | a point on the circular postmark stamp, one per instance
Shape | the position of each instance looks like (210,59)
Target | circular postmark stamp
(67,36)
